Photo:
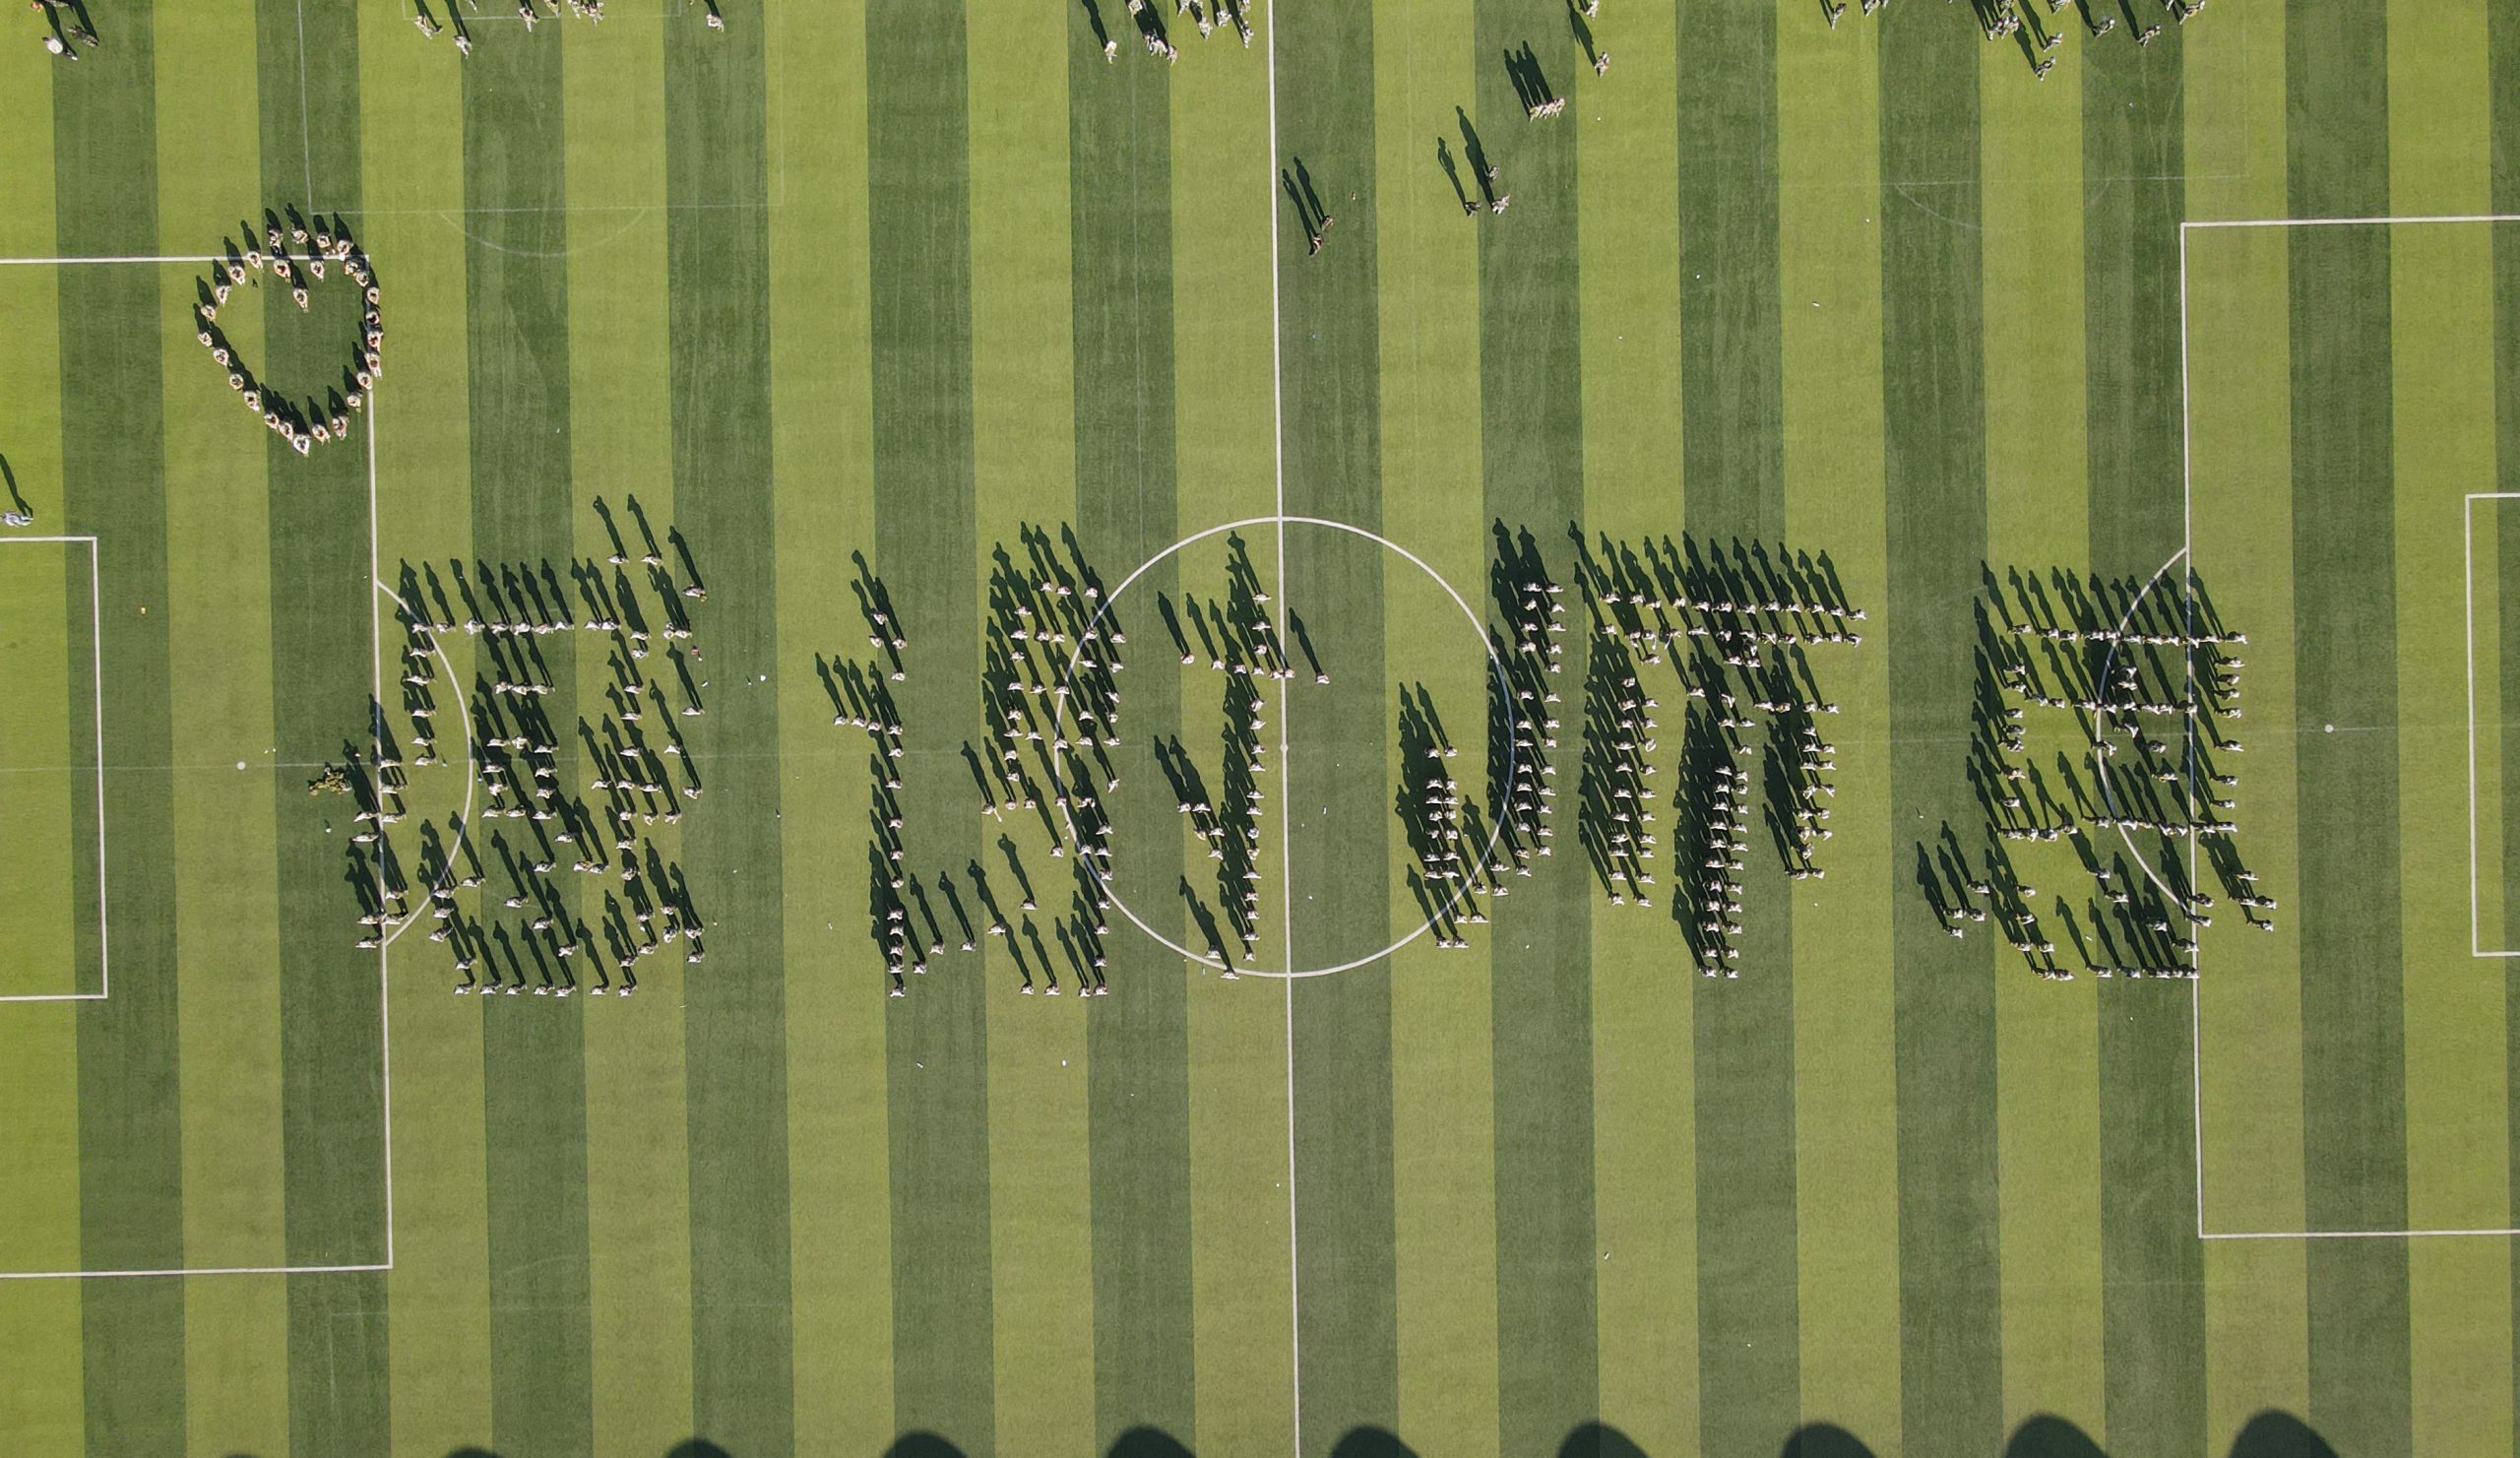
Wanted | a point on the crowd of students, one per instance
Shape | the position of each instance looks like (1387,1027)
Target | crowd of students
(319,246)
(590,11)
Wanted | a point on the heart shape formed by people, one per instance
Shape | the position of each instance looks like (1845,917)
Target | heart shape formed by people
(319,246)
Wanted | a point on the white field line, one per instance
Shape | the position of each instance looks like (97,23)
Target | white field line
(135,258)
(2468,578)
(384,1000)
(2187,474)
(2351,222)
(1285,771)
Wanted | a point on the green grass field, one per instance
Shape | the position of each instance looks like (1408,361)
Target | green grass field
(856,295)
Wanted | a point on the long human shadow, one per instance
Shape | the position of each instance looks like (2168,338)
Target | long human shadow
(1371,1443)
(2270,1434)
(1148,1442)
(1824,1441)
(2278,1434)
(2048,1435)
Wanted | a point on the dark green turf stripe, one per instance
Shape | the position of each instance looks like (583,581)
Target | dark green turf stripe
(927,551)
(1348,1323)
(1531,435)
(113,485)
(2503,71)
(533,1049)
(2152,1265)
(718,264)
(1733,447)
(1121,186)
(2344,612)
(1933,410)
(323,664)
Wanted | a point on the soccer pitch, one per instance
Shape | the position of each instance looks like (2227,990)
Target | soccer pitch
(989,741)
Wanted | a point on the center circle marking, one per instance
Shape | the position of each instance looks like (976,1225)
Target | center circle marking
(1478,625)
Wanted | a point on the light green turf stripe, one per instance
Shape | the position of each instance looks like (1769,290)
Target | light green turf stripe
(638,1198)
(1828,132)
(1024,450)
(37,1039)
(840,1212)
(1442,1037)
(2256,1310)
(40,1408)
(2046,1047)
(39,951)
(2456,1076)
(1223,197)
(1644,1132)
(2249,1069)
(39,1045)
(2492,744)
(2496,687)
(226,900)
(439,1361)
(2234,102)
(2248,1016)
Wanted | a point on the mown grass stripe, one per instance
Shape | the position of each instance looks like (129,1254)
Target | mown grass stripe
(1337,875)
(438,1364)
(2343,545)
(1731,365)
(1024,425)
(2503,692)
(718,273)
(1845,1098)
(2442,417)
(1225,211)
(1532,466)
(927,551)
(113,485)
(2134,151)
(2254,1296)
(1442,1001)
(323,668)
(42,1405)
(2046,1033)
(620,446)
(38,955)
(1121,243)
(839,1210)
(219,607)
(534,1053)
(1644,1194)
(1951,1364)
(2248,1072)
